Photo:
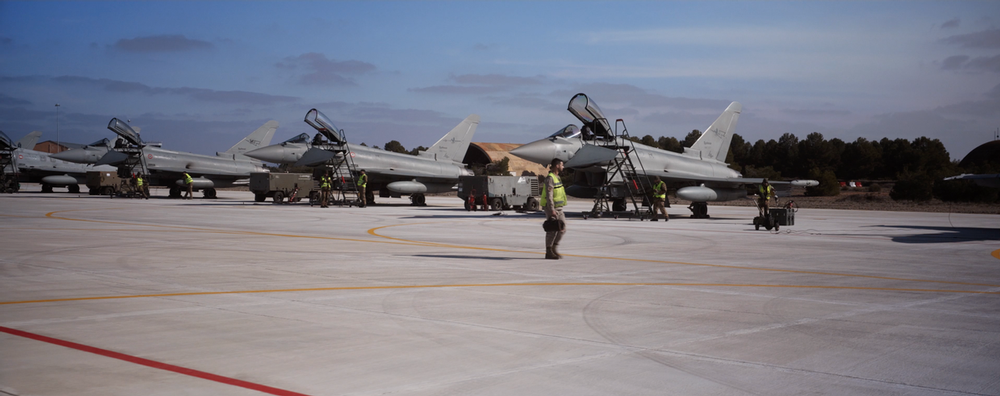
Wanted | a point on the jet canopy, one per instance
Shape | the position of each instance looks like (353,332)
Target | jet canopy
(5,142)
(322,124)
(567,132)
(125,131)
(590,115)
(301,138)
(100,143)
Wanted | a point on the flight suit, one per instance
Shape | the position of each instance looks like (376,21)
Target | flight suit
(553,200)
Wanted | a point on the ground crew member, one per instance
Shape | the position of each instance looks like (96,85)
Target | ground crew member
(362,185)
(765,192)
(471,205)
(141,186)
(190,185)
(659,198)
(553,200)
(325,185)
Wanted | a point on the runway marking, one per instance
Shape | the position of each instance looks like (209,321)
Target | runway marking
(470,285)
(394,240)
(151,363)
(996,253)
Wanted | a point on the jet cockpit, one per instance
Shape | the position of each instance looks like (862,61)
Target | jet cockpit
(125,131)
(568,132)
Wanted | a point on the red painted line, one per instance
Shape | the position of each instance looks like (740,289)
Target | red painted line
(152,363)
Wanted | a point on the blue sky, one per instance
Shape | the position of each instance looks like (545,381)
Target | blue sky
(198,76)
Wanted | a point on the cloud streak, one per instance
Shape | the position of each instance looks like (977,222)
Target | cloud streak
(162,43)
(208,95)
(316,69)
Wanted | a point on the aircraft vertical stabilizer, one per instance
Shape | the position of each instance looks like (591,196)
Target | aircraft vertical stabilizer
(255,140)
(453,145)
(29,141)
(714,142)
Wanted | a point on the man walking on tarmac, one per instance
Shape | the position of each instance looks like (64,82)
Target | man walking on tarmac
(325,184)
(141,186)
(362,185)
(765,193)
(659,198)
(553,200)
(189,182)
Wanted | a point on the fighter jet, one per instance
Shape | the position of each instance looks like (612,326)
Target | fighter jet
(700,171)
(44,168)
(167,167)
(392,174)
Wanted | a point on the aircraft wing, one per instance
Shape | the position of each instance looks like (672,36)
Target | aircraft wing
(985,180)
(403,173)
(730,181)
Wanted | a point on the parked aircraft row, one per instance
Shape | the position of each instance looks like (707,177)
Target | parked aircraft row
(700,173)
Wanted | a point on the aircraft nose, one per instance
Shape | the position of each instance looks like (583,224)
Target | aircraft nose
(273,154)
(539,151)
(79,156)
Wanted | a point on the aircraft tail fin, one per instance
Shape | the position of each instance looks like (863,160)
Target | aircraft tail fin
(454,144)
(29,141)
(255,140)
(714,142)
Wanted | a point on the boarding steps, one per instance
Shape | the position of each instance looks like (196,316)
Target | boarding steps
(8,181)
(344,172)
(625,182)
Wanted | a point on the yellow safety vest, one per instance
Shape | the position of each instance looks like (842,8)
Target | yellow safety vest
(766,193)
(138,181)
(558,193)
(327,183)
(363,180)
(660,190)
(188,179)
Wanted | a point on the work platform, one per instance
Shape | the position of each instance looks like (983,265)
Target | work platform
(231,297)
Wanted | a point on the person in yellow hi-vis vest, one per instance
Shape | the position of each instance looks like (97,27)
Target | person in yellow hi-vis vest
(659,199)
(766,192)
(553,200)
(190,186)
(141,186)
(325,185)
(362,185)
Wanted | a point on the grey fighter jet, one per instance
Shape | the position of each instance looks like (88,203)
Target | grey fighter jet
(167,167)
(700,171)
(44,168)
(391,174)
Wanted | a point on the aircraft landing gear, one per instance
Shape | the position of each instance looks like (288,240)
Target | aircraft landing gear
(699,210)
(416,200)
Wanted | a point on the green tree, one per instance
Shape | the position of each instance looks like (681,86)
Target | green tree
(691,138)
(499,168)
(828,186)
(395,146)
(670,144)
(649,141)
(417,150)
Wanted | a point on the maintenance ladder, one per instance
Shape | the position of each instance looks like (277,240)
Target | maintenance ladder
(625,181)
(344,171)
(8,181)
(134,165)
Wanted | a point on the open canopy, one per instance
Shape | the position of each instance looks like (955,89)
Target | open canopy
(590,115)
(5,142)
(125,131)
(322,124)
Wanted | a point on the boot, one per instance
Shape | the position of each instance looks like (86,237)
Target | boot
(556,253)
(549,255)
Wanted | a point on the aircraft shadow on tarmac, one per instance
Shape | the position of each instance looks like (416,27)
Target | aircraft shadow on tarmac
(462,257)
(946,234)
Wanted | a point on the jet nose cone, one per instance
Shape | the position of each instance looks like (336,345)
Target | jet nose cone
(539,151)
(274,154)
(79,156)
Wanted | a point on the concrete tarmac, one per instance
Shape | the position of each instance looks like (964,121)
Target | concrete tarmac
(104,296)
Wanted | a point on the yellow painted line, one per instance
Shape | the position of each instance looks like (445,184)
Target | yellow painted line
(471,285)
(996,253)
